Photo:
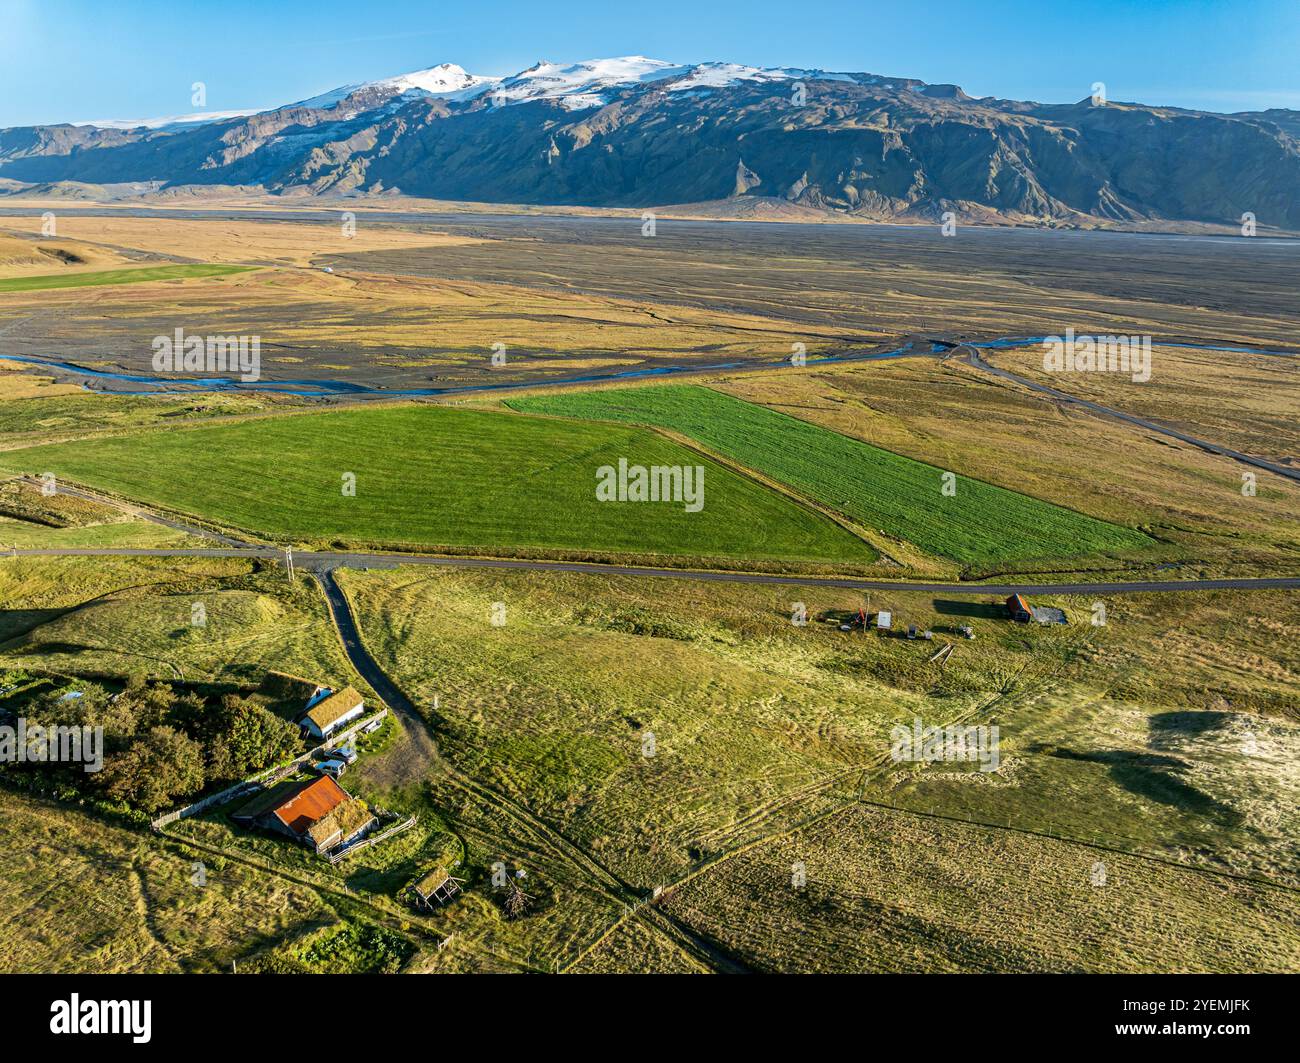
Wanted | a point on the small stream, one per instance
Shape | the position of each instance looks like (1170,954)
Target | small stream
(144,384)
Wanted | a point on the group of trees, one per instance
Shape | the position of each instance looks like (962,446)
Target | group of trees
(161,744)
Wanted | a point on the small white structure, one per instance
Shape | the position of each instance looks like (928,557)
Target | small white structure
(326,715)
(884,621)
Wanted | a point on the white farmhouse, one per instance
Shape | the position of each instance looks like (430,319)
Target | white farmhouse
(326,715)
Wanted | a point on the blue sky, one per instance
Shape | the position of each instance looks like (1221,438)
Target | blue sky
(77,60)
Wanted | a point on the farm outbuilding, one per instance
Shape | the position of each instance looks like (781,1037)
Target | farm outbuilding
(1019,609)
(438,885)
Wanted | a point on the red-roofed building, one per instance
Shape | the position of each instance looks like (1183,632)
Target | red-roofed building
(1019,609)
(314,801)
(318,812)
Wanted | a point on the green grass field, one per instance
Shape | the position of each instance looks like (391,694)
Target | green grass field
(1131,735)
(760,725)
(552,708)
(122,617)
(119,901)
(150,635)
(132,533)
(118,276)
(429,476)
(900,497)
(893,892)
(41,419)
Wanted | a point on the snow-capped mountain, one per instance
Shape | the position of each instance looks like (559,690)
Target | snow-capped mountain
(635,131)
(581,85)
(445,80)
(172,122)
(577,86)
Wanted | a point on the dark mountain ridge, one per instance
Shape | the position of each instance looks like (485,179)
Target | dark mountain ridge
(635,133)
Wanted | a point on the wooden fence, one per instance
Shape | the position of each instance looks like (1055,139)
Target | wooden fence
(375,839)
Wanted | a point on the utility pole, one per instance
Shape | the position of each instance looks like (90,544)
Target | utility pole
(288,561)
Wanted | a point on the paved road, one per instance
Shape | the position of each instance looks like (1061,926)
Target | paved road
(975,359)
(323,560)
(369,668)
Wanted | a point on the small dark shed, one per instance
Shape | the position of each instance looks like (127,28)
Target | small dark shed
(1019,609)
